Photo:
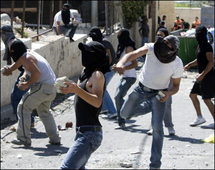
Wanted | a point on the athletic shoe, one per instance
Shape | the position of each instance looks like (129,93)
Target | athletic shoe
(121,126)
(198,121)
(20,142)
(54,143)
(150,132)
(211,126)
(171,131)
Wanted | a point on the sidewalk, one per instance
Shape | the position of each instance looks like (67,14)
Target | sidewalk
(119,148)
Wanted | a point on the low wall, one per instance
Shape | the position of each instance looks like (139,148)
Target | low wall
(64,58)
(188,14)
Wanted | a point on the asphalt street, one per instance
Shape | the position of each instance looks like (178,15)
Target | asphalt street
(129,148)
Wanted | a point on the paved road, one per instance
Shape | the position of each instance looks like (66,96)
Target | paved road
(130,147)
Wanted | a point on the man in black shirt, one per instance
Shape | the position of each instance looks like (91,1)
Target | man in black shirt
(205,81)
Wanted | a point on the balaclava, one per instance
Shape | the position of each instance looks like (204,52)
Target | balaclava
(65,14)
(201,34)
(17,49)
(163,52)
(124,40)
(7,35)
(95,34)
(164,30)
(93,58)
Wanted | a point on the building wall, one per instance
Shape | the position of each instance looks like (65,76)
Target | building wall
(207,16)
(167,8)
(188,14)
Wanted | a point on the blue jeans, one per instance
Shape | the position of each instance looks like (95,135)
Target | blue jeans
(168,113)
(121,91)
(145,40)
(16,96)
(107,103)
(140,102)
(85,144)
(67,31)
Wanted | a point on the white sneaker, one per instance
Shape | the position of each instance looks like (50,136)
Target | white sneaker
(171,131)
(198,121)
(150,132)
(211,126)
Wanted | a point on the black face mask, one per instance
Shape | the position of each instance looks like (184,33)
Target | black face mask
(17,49)
(163,53)
(95,34)
(65,16)
(93,58)
(201,34)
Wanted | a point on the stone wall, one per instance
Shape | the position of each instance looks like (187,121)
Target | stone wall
(64,58)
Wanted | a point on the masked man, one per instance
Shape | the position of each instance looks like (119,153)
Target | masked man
(205,81)
(8,37)
(39,96)
(161,65)
(65,22)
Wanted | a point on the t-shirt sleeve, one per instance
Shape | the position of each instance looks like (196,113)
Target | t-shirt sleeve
(58,17)
(208,48)
(178,72)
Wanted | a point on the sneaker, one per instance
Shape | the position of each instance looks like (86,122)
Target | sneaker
(171,131)
(54,143)
(121,126)
(211,126)
(150,132)
(198,121)
(20,142)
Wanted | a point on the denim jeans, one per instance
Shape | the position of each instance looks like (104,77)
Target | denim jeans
(121,91)
(67,31)
(85,144)
(107,103)
(140,102)
(16,96)
(168,113)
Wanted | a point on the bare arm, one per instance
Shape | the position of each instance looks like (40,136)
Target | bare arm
(94,94)
(8,70)
(58,27)
(120,66)
(173,90)
(190,64)
(30,64)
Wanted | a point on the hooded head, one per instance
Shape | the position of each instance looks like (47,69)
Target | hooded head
(166,49)
(66,13)
(95,34)
(164,31)
(124,40)
(201,34)
(7,35)
(17,49)
(93,58)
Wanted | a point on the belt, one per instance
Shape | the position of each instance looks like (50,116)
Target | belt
(149,89)
(83,129)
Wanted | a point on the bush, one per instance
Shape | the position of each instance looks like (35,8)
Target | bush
(132,10)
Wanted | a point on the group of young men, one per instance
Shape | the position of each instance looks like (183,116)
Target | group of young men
(90,89)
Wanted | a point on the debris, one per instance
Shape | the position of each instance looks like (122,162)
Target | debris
(19,156)
(209,139)
(58,151)
(60,128)
(136,152)
(126,165)
(69,124)
(13,129)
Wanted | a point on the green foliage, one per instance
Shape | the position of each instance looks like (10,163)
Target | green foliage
(19,30)
(132,10)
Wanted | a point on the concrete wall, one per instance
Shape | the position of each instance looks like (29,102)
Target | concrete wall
(188,14)
(64,58)
(167,8)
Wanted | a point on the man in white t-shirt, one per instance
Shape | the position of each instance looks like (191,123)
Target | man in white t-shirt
(65,22)
(161,65)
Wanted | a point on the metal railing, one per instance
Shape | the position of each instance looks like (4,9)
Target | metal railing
(38,16)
